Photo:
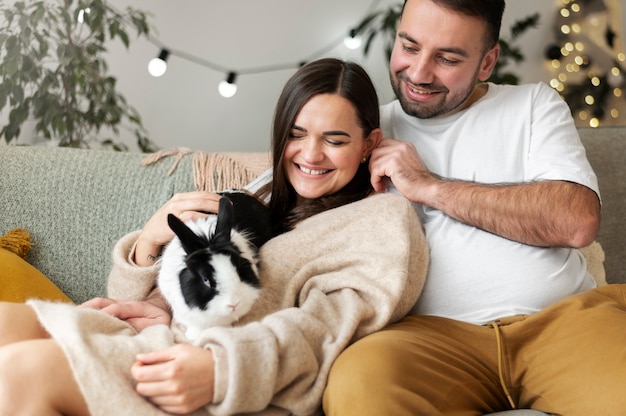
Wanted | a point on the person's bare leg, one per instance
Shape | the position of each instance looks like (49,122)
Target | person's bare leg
(18,322)
(36,379)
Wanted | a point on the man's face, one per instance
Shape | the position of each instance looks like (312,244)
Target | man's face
(437,59)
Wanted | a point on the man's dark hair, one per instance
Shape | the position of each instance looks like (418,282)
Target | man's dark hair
(489,11)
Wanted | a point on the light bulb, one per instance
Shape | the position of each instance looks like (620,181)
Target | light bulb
(158,66)
(82,13)
(615,79)
(228,88)
(352,41)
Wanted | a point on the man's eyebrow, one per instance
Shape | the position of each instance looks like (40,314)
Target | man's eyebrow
(336,133)
(456,51)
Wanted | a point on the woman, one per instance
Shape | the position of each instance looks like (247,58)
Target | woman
(337,271)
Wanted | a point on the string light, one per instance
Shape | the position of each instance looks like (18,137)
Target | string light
(157,66)
(352,41)
(228,87)
(82,13)
(590,96)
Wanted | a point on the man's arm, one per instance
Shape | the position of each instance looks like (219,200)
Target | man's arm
(544,213)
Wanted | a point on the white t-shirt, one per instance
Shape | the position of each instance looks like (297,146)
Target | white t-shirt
(513,134)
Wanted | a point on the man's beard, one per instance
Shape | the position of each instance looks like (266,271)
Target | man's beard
(447,105)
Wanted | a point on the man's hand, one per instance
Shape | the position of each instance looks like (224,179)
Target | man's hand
(139,314)
(179,379)
(400,162)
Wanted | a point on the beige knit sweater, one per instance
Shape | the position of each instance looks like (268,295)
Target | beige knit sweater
(335,278)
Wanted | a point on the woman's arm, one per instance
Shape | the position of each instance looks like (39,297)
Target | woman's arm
(157,233)
(132,291)
(135,255)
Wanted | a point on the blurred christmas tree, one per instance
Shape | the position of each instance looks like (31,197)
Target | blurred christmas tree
(588,61)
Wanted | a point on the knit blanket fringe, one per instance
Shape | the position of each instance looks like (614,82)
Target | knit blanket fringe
(211,171)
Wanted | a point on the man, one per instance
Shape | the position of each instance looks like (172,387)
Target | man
(499,176)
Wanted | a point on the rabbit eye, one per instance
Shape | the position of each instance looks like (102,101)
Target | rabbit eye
(206,280)
(209,285)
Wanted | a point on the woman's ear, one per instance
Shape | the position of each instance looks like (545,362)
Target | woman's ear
(372,141)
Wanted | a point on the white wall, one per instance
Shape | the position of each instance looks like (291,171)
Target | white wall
(183,108)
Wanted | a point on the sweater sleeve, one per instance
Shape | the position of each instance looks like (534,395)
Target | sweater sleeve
(127,280)
(337,277)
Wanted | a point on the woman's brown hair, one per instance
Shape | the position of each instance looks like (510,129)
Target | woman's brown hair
(324,76)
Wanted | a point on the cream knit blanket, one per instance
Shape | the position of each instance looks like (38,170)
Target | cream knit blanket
(337,277)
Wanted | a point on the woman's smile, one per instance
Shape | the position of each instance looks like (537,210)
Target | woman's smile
(312,171)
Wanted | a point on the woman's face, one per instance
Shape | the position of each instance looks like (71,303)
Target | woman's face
(325,146)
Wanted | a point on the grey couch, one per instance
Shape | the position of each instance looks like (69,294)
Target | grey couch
(77,203)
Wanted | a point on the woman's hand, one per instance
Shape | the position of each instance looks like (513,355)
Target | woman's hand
(157,233)
(179,379)
(139,314)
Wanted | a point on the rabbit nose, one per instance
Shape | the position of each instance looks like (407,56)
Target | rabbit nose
(233,306)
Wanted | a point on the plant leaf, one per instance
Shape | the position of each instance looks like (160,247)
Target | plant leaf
(54,69)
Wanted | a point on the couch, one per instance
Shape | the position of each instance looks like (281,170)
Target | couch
(77,203)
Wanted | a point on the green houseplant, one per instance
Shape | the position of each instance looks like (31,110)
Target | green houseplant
(53,71)
(384,22)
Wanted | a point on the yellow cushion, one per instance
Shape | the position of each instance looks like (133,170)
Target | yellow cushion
(19,280)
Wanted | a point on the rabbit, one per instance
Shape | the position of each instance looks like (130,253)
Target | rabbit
(208,272)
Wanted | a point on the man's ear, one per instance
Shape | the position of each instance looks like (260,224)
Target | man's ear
(489,63)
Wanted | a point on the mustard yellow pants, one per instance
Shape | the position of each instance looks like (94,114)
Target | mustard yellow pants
(569,359)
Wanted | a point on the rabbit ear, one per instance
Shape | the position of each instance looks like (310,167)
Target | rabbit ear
(189,240)
(224,220)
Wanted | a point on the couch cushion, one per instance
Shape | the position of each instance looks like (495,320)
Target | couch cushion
(606,150)
(20,281)
(77,203)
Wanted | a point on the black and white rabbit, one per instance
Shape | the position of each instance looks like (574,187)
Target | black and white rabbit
(209,272)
